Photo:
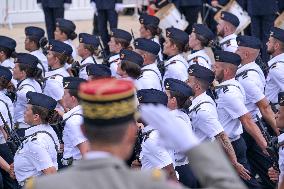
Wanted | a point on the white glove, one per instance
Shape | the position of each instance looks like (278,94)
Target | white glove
(166,123)
(93,4)
(39,5)
(67,6)
(119,7)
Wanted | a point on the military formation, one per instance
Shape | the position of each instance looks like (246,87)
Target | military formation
(165,109)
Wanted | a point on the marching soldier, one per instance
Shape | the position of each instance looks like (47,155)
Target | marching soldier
(26,72)
(149,29)
(179,94)
(58,54)
(120,39)
(32,44)
(176,66)
(38,153)
(252,79)
(231,109)
(65,32)
(199,38)
(6,124)
(7,50)
(112,136)
(153,154)
(204,117)
(151,76)
(226,29)
(75,143)
(88,44)
(275,77)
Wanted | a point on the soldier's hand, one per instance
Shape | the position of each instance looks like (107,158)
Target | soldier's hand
(242,171)
(273,174)
(136,164)
(11,172)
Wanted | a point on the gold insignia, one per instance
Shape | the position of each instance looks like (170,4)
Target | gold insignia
(50,47)
(140,98)
(109,110)
(122,56)
(81,39)
(15,59)
(222,15)
(217,58)
(167,86)
(271,33)
(111,34)
(29,100)
(193,29)
(136,43)
(168,34)
(142,20)
(190,71)
(281,101)
(156,174)
(66,84)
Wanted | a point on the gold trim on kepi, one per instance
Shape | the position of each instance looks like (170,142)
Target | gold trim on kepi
(107,101)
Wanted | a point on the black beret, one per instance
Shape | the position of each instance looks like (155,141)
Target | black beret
(60,47)
(7,42)
(131,56)
(41,100)
(177,35)
(98,70)
(89,39)
(281,98)
(227,57)
(149,20)
(27,59)
(147,45)
(178,86)
(229,17)
(152,96)
(202,73)
(72,82)
(249,41)
(277,33)
(66,24)
(203,30)
(5,73)
(34,32)
(122,34)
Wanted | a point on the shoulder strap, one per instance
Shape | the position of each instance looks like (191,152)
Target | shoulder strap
(244,73)
(196,108)
(195,59)
(71,116)
(226,41)
(22,86)
(225,87)
(274,64)
(9,113)
(145,70)
(44,132)
(146,135)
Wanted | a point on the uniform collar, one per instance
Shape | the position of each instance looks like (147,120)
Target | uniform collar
(97,155)
(148,128)
(246,67)
(76,109)
(34,129)
(149,66)
(275,59)
(233,80)
(114,58)
(24,81)
(7,63)
(197,99)
(87,60)
(228,37)
(176,57)
(200,52)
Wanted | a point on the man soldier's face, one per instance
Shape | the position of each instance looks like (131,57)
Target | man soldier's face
(220,28)
(219,71)
(270,45)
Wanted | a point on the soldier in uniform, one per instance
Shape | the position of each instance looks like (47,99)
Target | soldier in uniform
(154,155)
(129,67)
(226,29)
(151,76)
(58,54)
(96,71)
(7,49)
(65,32)
(88,44)
(111,133)
(204,117)
(149,29)
(32,44)
(107,13)
(199,38)
(6,122)
(52,10)
(176,66)
(252,79)
(26,73)
(231,109)
(120,39)
(179,94)
(38,153)
(275,77)
(75,143)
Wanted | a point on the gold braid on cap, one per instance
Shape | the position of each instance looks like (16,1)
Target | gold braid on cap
(109,110)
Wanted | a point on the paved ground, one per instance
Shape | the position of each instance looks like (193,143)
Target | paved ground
(17,33)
